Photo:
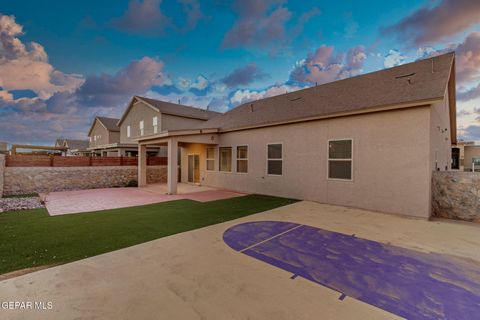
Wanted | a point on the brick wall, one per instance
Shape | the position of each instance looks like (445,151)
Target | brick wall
(23,180)
(456,195)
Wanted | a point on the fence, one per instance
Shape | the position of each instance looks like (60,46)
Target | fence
(60,161)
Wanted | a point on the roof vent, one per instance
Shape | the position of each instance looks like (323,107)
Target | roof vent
(251,107)
(295,99)
(405,75)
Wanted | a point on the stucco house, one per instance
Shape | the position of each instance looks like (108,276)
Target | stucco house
(472,158)
(104,139)
(73,147)
(370,141)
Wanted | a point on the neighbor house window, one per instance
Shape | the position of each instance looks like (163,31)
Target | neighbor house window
(94,138)
(142,127)
(210,159)
(225,159)
(242,159)
(128,132)
(340,159)
(275,159)
(90,139)
(155,124)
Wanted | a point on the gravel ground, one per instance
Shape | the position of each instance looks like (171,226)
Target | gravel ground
(14,204)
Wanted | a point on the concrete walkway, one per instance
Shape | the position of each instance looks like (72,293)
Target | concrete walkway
(67,202)
(195,275)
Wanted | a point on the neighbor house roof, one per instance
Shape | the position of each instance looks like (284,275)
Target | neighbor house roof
(76,144)
(171,109)
(419,82)
(108,123)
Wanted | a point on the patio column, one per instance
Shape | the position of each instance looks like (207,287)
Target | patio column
(142,165)
(172,168)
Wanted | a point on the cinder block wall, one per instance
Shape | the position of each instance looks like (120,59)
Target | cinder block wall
(456,195)
(24,180)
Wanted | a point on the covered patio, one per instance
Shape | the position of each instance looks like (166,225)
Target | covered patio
(174,140)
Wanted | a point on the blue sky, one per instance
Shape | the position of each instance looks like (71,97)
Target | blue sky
(62,63)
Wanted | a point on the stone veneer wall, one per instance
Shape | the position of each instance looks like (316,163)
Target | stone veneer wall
(456,195)
(2,172)
(23,180)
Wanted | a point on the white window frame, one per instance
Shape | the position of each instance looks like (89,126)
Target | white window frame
(95,138)
(141,125)
(268,159)
(245,159)
(328,160)
(220,159)
(129,132)
(210,159)
(155,124)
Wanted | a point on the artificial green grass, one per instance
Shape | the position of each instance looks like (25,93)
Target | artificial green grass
(32,238)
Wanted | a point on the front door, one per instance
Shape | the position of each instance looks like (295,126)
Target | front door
(194,168)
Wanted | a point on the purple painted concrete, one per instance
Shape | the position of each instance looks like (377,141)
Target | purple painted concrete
(408,283)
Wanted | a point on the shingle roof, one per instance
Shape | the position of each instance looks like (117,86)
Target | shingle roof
(180,110)
(77,144)
(109,123)
(408,83)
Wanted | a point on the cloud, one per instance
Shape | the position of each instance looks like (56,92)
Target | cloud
(137,78)
(259,24)
(393,58)
(25,66)
(243,75)
(193,13)
(470,94)
(429,24)
(463,113)
(468,58)
(245,95)
(144,17)
(472,132)
(324,66)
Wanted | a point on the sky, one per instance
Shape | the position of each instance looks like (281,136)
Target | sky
(64,62)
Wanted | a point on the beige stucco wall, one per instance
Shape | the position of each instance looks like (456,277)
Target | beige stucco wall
(138,112)
(470,152)
(440,139)
(24,180)
(170,122)
(391,161)
(98,130)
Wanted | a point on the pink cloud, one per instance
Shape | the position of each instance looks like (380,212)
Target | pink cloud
(429,24)
(324,66)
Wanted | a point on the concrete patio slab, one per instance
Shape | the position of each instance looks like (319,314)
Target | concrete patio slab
(68,202)
(195,275)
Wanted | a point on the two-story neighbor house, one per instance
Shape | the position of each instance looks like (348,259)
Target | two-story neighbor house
(104,139)
(370,141)
(146,117)
(73,147)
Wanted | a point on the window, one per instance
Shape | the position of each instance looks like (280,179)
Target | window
(225,159)
(242,159)
(94,138)
(210,159)
(155,124)
(90,139)
(340,159)
(128,132)
(142,131)
(275,159)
